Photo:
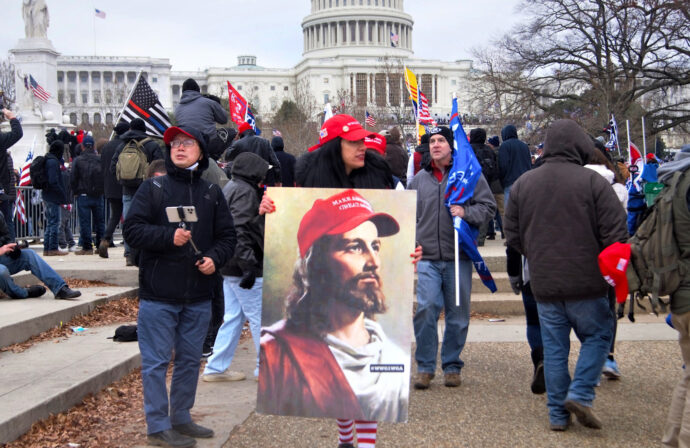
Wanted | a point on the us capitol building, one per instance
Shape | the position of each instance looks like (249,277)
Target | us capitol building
(350,49)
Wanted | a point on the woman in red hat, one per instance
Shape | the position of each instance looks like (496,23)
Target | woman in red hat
(341,160)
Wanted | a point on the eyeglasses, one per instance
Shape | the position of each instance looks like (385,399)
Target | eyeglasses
(187,143)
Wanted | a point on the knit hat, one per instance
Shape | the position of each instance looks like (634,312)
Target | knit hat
(494,141)
(613,261)
(121,127)
(277,143)
(376,142)
(343,126)
(340,213)
(87,142)
(137,125)
(444,131)
(190,84)
(57,148)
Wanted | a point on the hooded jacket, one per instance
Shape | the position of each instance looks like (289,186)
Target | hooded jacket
(561,216)
(198,112)
(487,159)
(249,142)
(243,195)
(111,187)
(167,272)
(287,162)
(55,191)
(151,148)
(7,139)
(513,156)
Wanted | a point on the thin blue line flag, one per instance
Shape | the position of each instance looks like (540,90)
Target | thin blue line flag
(462,179)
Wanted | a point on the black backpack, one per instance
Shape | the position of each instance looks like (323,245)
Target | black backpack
(94,175)
(38,173)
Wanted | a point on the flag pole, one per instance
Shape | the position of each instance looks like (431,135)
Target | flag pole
(644,141)
(627,127)
(124,106)
(456,245)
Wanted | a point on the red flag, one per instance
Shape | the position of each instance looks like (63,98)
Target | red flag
(238,105)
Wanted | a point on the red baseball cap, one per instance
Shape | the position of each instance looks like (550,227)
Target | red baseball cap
(174,131)
(244,126)
(376,142)
(340,213)
(613,261)
(341,125)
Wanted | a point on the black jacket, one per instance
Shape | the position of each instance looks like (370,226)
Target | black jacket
(111,187)
(244,196)
(167,272)
(55,192)
(262,148)
(87,175)
(7,139)
(513,156)
(151,148)
(287,162)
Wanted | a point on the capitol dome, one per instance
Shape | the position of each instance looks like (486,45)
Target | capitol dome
(357,27)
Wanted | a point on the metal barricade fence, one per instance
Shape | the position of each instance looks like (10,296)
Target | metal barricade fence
(34,228)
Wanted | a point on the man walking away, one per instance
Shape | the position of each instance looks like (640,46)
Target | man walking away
(87,185)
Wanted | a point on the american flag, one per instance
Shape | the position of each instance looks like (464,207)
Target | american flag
(424,114)
(277,133)
(369,119)
(38,91)
(145,104)
(19,208)
(25,170)
(612,144)
(394,39)
(100,14)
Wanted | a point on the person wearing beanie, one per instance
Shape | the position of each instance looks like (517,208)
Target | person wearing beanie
(54,195)
(136,133)
(559,217)
(287,162)
(86,180)
(514,159)
(436,285)
(112,190)
(7,139)
(177,275)
(489,162)
(250,142)
(202,112)
(494,142)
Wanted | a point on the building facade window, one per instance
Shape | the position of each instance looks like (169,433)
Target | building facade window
(394,92)
(380,89)
(325,98)
(109,119)
(361,92)
(85,118)
(73,118)
(84,98)
(96,118)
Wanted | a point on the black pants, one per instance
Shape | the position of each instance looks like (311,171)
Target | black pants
(115,215)
(217,313)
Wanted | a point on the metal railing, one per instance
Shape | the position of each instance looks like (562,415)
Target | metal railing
(34,228)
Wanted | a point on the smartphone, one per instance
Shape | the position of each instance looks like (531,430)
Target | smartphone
(181,214)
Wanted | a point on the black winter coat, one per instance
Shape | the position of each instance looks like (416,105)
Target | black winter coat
(513,156)
(167,272)
(7,139)
(55,192)
(262,148)
(151,148)
(243,195)
(87,175)
(111,187)
(287,168)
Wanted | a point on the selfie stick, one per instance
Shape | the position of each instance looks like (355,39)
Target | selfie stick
(180,213)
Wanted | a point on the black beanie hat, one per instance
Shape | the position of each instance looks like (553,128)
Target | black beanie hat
(190,84)
(57,148)
(137,125)
(121,127)
(277,143)
(444,131)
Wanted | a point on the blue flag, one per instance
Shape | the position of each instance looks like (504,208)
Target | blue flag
(249,118)
(462,180)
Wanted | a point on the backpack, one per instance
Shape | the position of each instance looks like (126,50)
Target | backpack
(657,267)
(94,172)
(38,173)
(132,163)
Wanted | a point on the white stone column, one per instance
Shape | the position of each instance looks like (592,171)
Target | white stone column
(78,96)
(357,40)
(102,94)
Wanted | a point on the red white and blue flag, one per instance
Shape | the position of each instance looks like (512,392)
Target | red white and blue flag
(249,118)
(424,114)
(462,179)
(38,91)
(277,133)
(25,170)
(19,208)
(144,104)
(100,14)
(394,39)
(238,105)
(369,119)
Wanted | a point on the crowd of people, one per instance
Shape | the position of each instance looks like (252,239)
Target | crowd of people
(201,264)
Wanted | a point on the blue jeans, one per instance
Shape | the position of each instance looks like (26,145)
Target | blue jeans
(240,305)
(591,321)
(28,261)
(506,194)
(89,207)
(162,328)
(126,203)
(65,237)
(532,315)
(50,238)
(436,291)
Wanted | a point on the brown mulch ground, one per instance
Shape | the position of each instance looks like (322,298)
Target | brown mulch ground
(81,283)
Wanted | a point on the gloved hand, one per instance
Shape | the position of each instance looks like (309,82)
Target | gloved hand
(248,279)
(16,252)
(515,283)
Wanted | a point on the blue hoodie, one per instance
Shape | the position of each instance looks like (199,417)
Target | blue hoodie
(513,156)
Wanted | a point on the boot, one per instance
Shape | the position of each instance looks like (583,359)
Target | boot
(538,385)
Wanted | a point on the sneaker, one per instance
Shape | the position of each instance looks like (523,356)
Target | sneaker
(491,237)
(66,293)
(63,251)
(611,369)
(538,383)
(35,291)
(129,261)
(423,380)
(207,352)
(452,379)
(103,249)
(73,248)
(583,413)
(225,376)
(191,429)
(88,251)
(51,253)
(170,438)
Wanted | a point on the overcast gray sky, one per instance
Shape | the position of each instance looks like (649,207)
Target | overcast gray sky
(212,33)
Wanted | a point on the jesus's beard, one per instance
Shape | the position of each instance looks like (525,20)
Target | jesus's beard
(367,297)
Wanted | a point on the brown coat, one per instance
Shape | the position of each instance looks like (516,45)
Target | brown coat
(299,376)
(561,216)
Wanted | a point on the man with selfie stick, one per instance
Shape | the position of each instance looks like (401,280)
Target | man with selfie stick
(175,282)
(7,139)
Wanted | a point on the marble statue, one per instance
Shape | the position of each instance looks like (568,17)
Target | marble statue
(36,19)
